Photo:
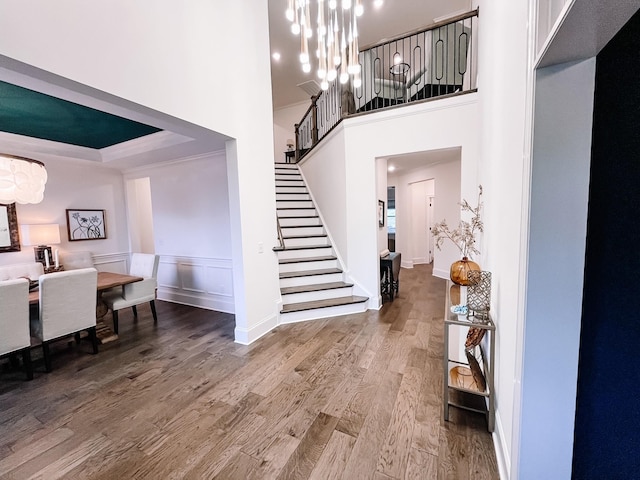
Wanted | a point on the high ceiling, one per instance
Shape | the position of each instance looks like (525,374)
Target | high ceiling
(393,18)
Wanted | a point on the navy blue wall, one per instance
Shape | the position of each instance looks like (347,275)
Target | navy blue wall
(607,431)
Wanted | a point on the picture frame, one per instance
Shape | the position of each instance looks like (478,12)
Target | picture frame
(84,224)
(380,213)
(9,233)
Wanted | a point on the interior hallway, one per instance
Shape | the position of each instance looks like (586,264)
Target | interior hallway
(349,397)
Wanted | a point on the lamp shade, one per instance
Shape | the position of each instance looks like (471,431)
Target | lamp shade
(22,179)
(40,234)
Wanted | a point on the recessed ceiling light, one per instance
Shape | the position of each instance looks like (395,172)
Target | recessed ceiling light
(276,56)
(377,3)
(391,168)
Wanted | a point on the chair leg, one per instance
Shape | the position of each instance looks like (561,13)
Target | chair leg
(47,356)
(135,312)
(77,337)
(94,339)
(153,311)
(115,321)
(28,366)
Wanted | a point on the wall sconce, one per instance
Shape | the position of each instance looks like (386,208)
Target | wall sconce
(40,236)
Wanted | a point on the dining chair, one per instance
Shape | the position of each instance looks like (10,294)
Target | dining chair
(76,260)
(14,321)
(67,306)
(142,265)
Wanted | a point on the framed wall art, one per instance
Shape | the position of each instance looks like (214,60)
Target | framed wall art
(380,213)
(86,224)
(9,236)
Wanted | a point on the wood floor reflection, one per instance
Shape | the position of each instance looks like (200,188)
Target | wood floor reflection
(353,397)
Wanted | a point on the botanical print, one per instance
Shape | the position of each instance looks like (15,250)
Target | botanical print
(86,224)
(5,233)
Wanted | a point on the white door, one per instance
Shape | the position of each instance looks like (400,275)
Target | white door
(430,221)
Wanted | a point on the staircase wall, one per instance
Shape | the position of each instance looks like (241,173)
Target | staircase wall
(341,174)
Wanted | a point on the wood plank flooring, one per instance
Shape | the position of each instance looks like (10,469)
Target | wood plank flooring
(352,397)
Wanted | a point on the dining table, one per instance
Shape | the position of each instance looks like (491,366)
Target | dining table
(106,281)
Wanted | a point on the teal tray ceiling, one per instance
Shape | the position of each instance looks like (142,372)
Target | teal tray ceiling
(34,114)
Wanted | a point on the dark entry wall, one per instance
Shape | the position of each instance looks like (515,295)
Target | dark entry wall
(607,428)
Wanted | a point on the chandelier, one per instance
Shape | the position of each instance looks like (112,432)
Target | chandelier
(336,36)
(22,179)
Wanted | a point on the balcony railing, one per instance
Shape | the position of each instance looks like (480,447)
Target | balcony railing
(418,66)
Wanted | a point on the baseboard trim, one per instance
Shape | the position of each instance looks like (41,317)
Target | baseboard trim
(218,303)
(502,456)
(246,336)
(444,274)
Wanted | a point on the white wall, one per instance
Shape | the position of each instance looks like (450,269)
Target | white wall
(175,68)
(82,186)
(559,200)
(140,215)
(284,120)
(191,221)
(445,123)
(503,173)
(381,194)
(446,180)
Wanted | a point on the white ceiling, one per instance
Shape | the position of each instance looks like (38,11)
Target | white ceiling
(395,17)
(403,164)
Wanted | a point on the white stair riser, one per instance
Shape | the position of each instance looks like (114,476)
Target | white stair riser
(318,313)
(282,176)
(310,280)
(309,230)
(299,242)
(293,212)
(290,183)
(317,295)
(297,197)
(299,222)
(294,204)
(289,166)
(291,189)
(303,266)
(311,252)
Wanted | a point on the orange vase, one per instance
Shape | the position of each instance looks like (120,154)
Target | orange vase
(460,269)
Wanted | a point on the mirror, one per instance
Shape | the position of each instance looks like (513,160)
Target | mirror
(9,237)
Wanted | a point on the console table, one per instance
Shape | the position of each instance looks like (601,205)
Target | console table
(473,375)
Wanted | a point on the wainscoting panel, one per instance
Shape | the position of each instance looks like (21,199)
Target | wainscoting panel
(199,282)
(112,262)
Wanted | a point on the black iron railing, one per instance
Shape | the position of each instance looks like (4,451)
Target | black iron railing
(437,60)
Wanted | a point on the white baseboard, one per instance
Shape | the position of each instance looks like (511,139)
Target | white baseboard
(444,274)
(502,455)
(245,336)
(220,304)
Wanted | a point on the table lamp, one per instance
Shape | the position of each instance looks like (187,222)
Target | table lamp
(289,144)
(41,236)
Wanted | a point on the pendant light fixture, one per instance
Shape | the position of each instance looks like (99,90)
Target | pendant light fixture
(336,37)
(22,179)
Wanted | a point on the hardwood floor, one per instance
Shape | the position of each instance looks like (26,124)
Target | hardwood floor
(353,397)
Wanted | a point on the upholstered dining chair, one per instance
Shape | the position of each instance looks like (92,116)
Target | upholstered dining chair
(76,260)
(14,321)
(67,306)
(142,265)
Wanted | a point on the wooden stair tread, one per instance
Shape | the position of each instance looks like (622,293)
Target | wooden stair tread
(314,288)
(294,208)
(284,261)
(309,273)
(302,247)
(330,302)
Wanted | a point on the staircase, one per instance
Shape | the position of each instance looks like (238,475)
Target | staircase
(311,280)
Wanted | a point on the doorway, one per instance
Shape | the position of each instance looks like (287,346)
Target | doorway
(422,196)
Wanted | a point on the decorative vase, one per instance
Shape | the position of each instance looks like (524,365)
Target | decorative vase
(460,269)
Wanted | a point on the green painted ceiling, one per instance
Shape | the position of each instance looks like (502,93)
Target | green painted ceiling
(34,114)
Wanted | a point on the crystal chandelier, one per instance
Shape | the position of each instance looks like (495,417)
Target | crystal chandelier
(336,37)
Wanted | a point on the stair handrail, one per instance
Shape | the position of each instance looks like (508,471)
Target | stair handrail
(280,239)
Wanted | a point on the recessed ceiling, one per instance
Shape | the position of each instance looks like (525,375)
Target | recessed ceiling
(34,114)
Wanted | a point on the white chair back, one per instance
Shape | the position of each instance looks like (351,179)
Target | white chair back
(67,303)
(12,271)
(76,260)
(14,315)
(144,265)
